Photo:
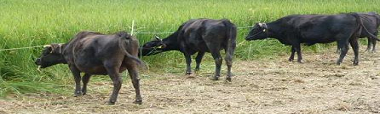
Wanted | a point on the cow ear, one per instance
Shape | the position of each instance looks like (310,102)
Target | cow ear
(124,34)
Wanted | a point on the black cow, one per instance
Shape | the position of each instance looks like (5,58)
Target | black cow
(310,29)
(96,54)
(199,35)
(371,21)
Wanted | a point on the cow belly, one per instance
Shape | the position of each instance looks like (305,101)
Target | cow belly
(197,46)
(90,65)
(95,70)
(317,37)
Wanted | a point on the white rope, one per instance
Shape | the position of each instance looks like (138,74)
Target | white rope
(244,27)
(154,32)
(10,49)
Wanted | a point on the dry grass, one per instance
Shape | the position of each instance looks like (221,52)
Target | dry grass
(268,86)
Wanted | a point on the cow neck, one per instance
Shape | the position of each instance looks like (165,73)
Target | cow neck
(63,48)
(273,30)
(377,17)
(171,42)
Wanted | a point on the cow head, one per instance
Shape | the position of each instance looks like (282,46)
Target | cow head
(153,47)
(51,55)
(259,31)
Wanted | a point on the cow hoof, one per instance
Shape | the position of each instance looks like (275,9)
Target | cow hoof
(138,102)
(111,103)
(190,76)
(188,73)
(356,63)
(228,79)
(84,92)
(215,78)
(290,60)
(78,93)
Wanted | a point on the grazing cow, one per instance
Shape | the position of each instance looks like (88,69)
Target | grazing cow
(96,54)
(371,21)
(310,29)
(199,35)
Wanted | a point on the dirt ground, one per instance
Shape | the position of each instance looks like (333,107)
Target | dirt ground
(265,86)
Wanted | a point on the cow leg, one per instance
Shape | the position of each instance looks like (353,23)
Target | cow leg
(198,60)
(218,64)
(373,42)
(374,45)
(355,47)
(337,49)
(133,73)
(228,58)
(113,72)
(188,63)
(85,80)
(291,58)
(218,60)
(76,73)
(297,47)
(343,51)
(369,44)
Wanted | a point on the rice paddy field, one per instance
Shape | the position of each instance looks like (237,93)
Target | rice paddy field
(29,23)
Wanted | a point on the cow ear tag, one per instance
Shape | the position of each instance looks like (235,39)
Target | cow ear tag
(159,47)
(264,30)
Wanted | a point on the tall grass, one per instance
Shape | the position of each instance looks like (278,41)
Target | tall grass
(37,22)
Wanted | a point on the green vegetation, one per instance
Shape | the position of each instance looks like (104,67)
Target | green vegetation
(26,23)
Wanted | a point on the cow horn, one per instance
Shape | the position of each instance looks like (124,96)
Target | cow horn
(157,38)
(45,46)
(263,25)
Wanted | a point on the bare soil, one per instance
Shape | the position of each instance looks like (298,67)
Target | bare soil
(259,86)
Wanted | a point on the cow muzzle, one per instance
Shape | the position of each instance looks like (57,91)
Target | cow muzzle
(248,38)
(38,61)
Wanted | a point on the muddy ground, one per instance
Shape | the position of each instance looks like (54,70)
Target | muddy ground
(265,86)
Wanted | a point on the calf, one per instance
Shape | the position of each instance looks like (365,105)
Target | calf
(96,54)
(310,29)
(199,35)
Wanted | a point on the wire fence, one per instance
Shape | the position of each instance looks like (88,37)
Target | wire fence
(10,49)
(132,33)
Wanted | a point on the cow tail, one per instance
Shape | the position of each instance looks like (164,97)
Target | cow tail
(231,34)
(360,25)
(125,39)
